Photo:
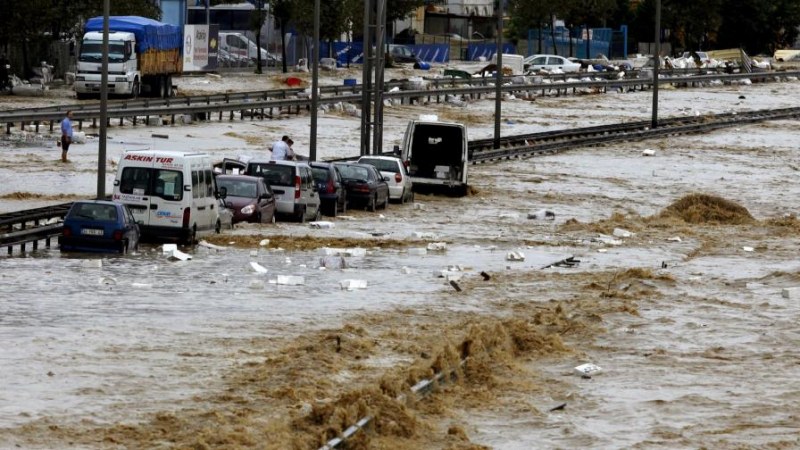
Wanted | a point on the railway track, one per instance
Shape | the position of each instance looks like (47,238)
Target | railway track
(262,104)
(532,144)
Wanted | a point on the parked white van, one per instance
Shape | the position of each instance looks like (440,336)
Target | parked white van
(172,195)
(240,45)
(436,155)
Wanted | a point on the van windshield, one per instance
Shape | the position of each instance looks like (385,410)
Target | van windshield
(167,184)
(273,174)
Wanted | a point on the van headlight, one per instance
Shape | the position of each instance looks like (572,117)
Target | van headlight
(249,209)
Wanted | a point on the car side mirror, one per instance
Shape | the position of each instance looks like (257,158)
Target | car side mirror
(222,192)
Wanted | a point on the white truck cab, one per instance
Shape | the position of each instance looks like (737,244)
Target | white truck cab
(172,195)
(123,68)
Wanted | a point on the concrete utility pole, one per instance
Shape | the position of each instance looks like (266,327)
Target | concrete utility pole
(374,62)
(312,145)
(499,78)
(656,64)
(101,154)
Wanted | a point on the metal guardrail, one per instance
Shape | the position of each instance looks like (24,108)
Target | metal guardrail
(260,101)
(18,229)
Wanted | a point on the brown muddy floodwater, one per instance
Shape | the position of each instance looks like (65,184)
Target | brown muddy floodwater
(687,295)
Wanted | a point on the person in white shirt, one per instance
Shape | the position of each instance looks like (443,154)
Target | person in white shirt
(280,149)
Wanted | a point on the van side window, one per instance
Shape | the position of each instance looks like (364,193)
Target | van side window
(168,184)
(195,182)
(209,183)
(135,180)
(201,188)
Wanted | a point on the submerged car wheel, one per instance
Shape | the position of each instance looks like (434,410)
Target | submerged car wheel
(373,203)
(301,217)
(123,248)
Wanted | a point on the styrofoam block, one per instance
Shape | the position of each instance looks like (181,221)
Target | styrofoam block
(333,262)
(515,256)
(419,251)
(648,152)
(437,246)
(675,239)
(179,255)
(257,268)
(321,224)
(169,248)
(748,249)
(450,275)
(790,292)
(290,280)
(256,284)
(264,243)
(406,270)
(353,284)
(211,246)
(253,253)
(588,370)
(78,137)
(420,206)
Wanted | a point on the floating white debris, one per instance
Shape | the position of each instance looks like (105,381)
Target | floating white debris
(648,152)
(406,270)
(253,253)
(290,280)
(621,232)
(381,216)
(108,280)
(515,256)
(588,370)
(141,285)
(179,255)
(424,235)
(211,246)
(333,262)
(353,284)
(257,268)
(92,263)
(345,217)
(450,275)
(356,251)
(168,248)
(542,214)
(748,249)
(256,284)
(264,243)
(675,239)
(791,292)
(420,206)
(602,250)
(437,246)
(418,251)
(321,224)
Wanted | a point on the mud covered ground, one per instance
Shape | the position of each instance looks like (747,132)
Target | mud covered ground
(685,315)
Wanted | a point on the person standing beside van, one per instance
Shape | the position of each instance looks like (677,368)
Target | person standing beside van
(66,135)
(280,149)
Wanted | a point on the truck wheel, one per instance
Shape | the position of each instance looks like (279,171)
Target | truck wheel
(168,86)
(81,96)
(135,89)
(161,87)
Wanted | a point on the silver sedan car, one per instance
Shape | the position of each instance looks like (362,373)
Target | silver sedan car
(549,63)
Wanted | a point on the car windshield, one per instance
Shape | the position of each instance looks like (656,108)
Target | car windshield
(238,188)
(274,174)
(93,211)
(92,51)
(383,165)
(354,173)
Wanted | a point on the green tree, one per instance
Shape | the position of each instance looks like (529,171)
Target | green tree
(282,11)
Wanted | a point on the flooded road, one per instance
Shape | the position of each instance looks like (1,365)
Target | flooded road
(687,315)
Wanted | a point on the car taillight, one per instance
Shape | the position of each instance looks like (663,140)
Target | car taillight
(66,231)
(296,187)
(398,178)
(187,216)
(117,235)
(361,188)
(330,189)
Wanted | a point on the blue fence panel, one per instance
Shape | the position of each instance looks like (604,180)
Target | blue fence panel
(571,43)
(438,53)
(353,52)
(475,51)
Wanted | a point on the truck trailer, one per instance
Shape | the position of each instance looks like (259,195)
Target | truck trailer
(143,55)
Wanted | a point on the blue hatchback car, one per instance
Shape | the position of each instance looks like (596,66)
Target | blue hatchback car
(99,226)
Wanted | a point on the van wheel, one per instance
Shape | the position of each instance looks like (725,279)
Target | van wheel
(318,216)
(191,237)
(344,205)
(123,248)
(218,227)
(373,203)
